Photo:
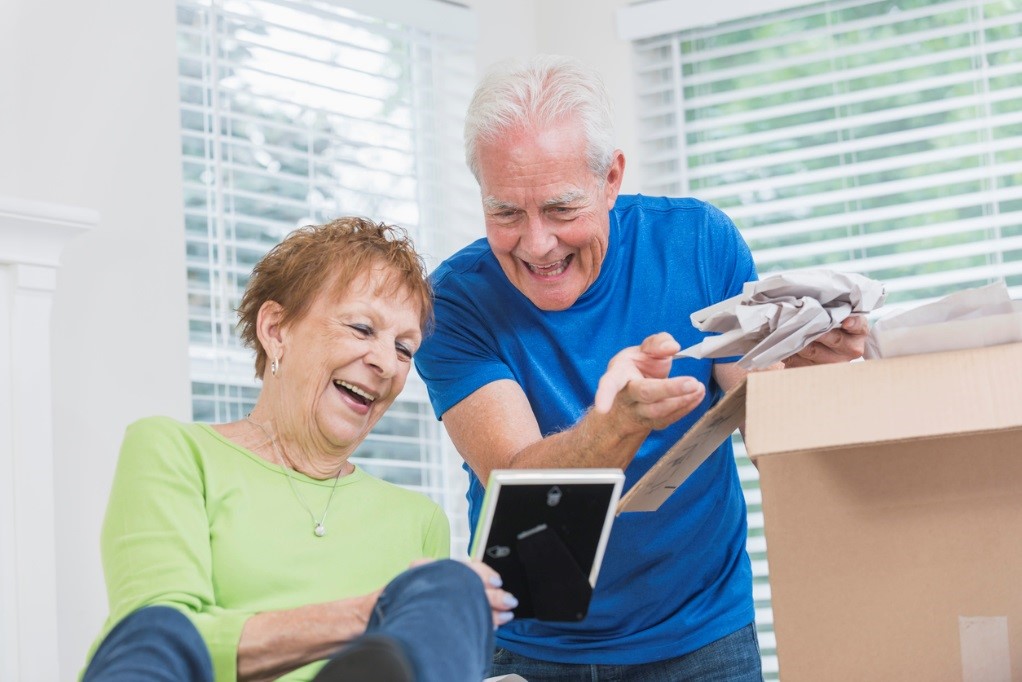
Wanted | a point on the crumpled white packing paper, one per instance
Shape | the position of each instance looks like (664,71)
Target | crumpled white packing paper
(971,318)
(780,315)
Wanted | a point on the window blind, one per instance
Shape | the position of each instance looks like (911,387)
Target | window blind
(882,137)
(294,113)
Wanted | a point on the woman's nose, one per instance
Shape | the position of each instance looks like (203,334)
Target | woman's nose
(384,359)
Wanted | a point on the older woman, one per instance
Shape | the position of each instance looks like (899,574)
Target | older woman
(262,531)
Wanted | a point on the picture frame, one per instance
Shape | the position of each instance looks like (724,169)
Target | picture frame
(545,531)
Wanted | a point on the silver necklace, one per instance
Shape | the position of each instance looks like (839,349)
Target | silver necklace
(319,527)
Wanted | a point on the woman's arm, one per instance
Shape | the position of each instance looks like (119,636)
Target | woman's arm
(156,550)
(276,642)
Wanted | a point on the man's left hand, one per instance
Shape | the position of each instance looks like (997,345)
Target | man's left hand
(838,345)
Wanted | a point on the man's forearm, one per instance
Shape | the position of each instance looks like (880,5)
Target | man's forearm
(595,441)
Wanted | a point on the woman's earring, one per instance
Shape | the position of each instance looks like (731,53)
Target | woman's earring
(274,366)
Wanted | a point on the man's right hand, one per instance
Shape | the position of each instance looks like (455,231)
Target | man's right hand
(637,390)
(495,427)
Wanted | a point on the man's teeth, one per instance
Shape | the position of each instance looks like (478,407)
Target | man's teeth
(356,390)
(551,270)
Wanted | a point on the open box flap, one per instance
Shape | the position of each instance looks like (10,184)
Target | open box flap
(685,456)
(833,406)
(916,396)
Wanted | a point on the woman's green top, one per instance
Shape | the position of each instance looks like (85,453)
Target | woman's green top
(199,523)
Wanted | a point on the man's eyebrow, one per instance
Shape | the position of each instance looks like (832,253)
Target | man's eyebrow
(569,197)
(491,203)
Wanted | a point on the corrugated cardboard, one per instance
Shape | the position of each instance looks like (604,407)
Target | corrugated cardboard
(685,456)
(892,502)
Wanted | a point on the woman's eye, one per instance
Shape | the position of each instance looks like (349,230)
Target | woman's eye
(404,351)
(363,330)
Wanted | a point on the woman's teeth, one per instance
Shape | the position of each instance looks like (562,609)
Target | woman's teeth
(356,390)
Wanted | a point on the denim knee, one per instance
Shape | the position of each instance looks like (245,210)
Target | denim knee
(445,576)
(439,613)
(152,643)
(165,620)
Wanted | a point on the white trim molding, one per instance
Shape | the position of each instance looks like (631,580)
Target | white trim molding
(435,16)
(660,17)
(32,235)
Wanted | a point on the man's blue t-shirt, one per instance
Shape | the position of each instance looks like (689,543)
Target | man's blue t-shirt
(672,580)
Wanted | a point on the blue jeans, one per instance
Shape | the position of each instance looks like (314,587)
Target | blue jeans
(440,615)
(733,658)
(437,614)
(155,643)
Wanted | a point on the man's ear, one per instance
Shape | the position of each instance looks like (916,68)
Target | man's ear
(270,330)
(615,174)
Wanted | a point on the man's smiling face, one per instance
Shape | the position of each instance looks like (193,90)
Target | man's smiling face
(547,217)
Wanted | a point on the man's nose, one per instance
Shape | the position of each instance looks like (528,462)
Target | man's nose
(539,238)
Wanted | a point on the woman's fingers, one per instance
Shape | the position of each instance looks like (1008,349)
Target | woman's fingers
(501,602)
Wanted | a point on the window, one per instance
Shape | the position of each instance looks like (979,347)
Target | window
(882,137)
(293,113)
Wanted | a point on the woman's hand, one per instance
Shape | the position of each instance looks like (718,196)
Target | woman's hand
(501,602)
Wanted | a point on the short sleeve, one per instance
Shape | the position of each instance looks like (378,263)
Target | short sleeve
(460,356)
(732,260)
(735,265)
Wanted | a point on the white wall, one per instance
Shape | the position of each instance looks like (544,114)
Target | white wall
(89,118)
(585,29)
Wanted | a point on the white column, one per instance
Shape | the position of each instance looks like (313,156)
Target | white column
(32,235)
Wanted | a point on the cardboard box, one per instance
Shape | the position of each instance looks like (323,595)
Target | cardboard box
(892,502)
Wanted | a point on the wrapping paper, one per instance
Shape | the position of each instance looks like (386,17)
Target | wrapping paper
(780,315)
(971,318)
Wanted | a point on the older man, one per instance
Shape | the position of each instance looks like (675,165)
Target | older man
(553,348)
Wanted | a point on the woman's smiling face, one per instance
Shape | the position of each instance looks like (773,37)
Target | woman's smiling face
(343,363)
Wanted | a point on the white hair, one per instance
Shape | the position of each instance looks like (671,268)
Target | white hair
(536,93)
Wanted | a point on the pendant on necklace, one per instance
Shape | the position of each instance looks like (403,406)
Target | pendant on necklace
(320,531)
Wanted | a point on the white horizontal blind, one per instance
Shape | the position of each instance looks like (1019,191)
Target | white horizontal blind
(883,137)
(294,113)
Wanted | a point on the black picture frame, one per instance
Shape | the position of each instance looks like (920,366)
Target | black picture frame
(545,532)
